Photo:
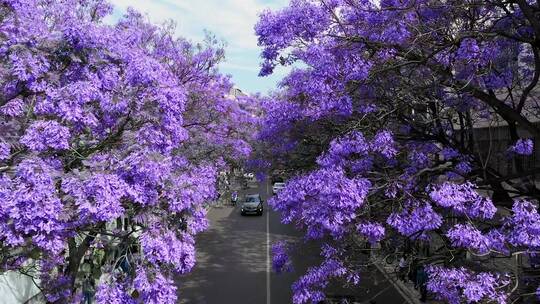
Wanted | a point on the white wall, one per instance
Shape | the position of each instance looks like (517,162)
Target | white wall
(16,288)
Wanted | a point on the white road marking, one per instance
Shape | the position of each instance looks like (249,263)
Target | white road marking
(268,267)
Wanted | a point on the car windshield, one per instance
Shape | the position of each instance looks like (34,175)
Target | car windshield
(252,199)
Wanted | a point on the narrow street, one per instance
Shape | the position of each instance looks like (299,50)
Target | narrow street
(233,264)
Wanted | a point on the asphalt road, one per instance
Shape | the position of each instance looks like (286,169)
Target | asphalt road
(233,262)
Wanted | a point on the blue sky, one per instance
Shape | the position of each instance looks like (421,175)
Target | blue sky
(230,20)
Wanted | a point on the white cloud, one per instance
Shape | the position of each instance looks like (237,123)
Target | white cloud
(229,20)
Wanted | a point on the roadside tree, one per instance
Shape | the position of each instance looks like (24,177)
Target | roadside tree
(111,139)
(390,125)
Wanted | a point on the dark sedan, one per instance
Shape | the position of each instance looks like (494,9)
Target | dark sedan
(252,205)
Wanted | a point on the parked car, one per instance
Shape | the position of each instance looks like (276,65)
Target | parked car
(277,187)
(252,205)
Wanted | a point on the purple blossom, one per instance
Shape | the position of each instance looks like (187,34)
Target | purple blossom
(523,147)
(98,197)
(43,135)
(374,232)
(13,108)
(324,201)
(463,199)
(418,158)
(113,293)
(5,150)
(453,284)
(467,236)
(463,167)
(280,258)
(309,288)
(468,49)
(155,288)
(166,247)
(340,149)
(198,222)
(415,219)
(123,123)
(350,54)
(449,153)
(31,206)
(383,142)
(524,225)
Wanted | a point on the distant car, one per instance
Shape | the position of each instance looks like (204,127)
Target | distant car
(250,177)
(252,204)
(277,186)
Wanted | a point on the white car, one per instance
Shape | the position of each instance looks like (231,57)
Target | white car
(277,186)
(249,175)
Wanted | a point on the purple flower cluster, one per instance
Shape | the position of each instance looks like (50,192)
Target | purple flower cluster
(340,149)
(31,208)
(356,151)
(99,197)
(43,135)
(361,69)
(155,288)
(374,232)
(165,247)
(464,199)
(453,284)
(415,219)
(280,259)
(103,124)
(468,236)
(13,108)
(523,147)
(524,225)
(113,293)
(325,201)
(309,288)
(5,150)
(384,143)
(449,153)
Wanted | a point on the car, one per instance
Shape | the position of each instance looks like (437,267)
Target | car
(277,186)
(249,175)
(252,204)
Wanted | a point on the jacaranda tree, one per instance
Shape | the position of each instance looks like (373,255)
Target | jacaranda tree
(388,126)
(111,139)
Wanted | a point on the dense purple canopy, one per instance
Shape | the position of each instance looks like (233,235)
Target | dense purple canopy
(389,126)
(110,143)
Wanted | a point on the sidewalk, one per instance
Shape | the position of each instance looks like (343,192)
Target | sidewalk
(406,289)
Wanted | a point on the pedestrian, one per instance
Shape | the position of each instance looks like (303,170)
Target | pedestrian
(88,289)
(421,282)
(234,197)
(403,266)
(124,263)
